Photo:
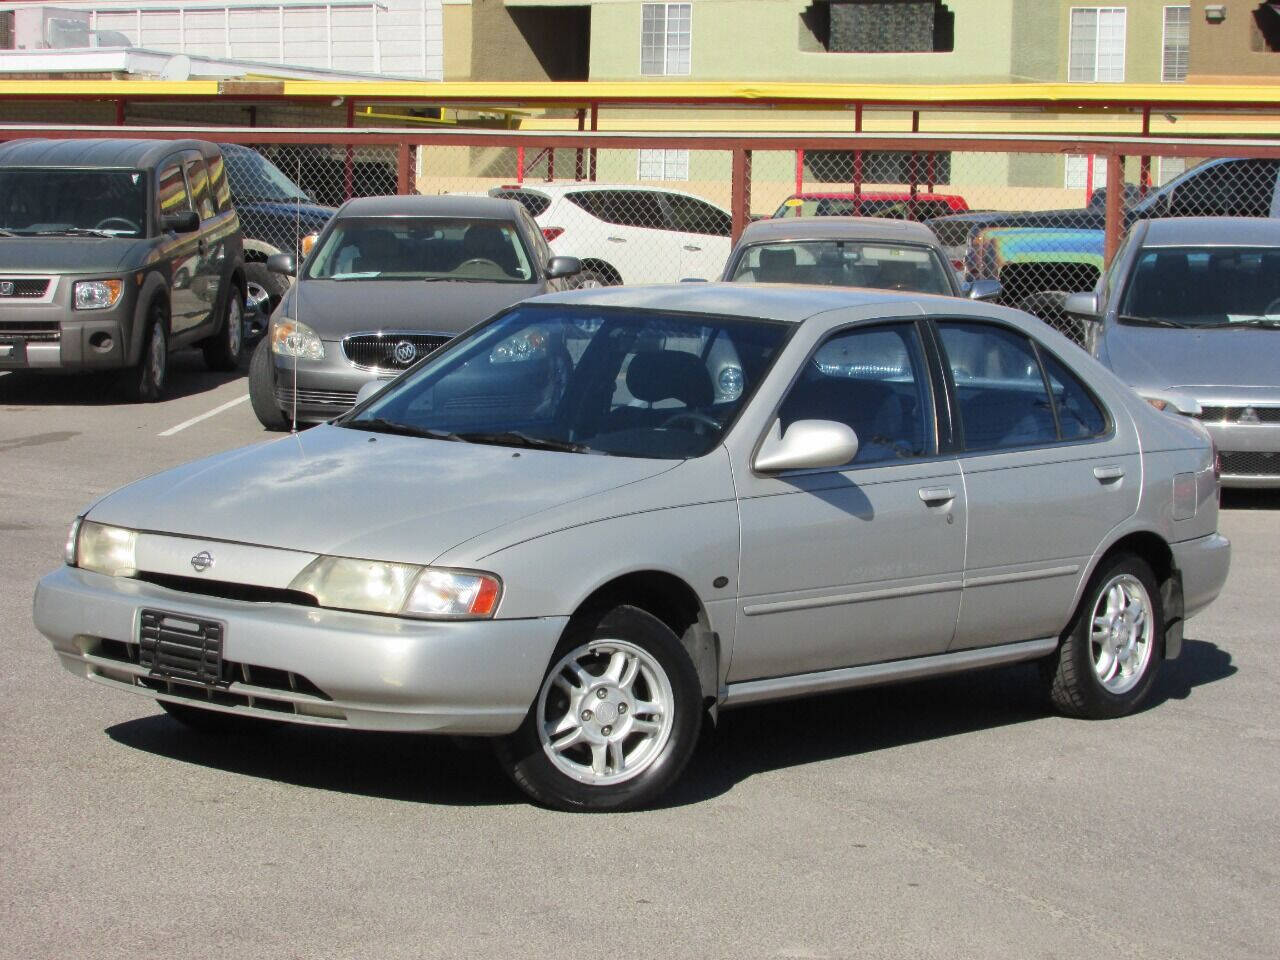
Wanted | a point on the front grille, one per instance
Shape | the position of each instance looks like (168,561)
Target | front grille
(28,287)
(180,649)
(44,331)
(1232,414)
(390,351)
(327,398)
(1249,464)
(247,592)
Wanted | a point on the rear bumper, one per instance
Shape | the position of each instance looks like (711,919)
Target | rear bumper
(364,672)
(1203,563)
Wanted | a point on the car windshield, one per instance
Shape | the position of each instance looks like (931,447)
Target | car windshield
(252,176)
(605,381)
(1204,287)
(844,263)
(42,201)
(422,248)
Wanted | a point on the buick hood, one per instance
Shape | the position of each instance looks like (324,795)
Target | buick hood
(1160,357)
(351,493)
(336,308)
(70,255)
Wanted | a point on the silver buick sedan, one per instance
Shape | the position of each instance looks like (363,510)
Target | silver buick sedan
(558,533)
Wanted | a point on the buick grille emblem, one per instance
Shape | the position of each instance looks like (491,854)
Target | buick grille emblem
(405,352)
(6,288)
(202,561)
(1248,415)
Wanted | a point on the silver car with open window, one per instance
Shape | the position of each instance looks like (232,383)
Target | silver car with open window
(583,559)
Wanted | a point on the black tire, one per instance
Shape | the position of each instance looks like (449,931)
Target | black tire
(1071,674)
(224,350)
(216,723)
(262,388)
(590,277)
(145,381)
(264,290)
(529,764)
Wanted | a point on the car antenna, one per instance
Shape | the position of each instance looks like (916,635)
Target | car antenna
(297,294)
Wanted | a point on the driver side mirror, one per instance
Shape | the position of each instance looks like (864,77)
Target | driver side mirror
(282,263)
(985,289)
(807,444)
(1082,304)
(187,221)
(563,267)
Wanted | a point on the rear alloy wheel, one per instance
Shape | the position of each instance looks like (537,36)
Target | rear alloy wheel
(216,722)
(145,382)
(263,291)
(222,351)
(1110,656)
(589,279)
(615,721)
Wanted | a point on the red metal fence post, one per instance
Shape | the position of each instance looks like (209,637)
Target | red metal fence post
(404,170)
(1115,207)
(740,203)
(348,166)
(857,155)
(799,172)
(1144,172)
(519,164)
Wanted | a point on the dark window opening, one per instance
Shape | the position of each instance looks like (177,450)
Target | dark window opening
(1266,27)
(878,167)
(560,37)
(878,26)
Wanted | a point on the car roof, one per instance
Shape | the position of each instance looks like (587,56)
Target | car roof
(871,195)
(115,153)
(763,301)
(443,205)
(837,228)
(584,186)
(1212,231)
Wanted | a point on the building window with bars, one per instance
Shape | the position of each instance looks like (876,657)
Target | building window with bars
(1176,45)
(1085,172)
(663,165)
(1096,51)
(665,39)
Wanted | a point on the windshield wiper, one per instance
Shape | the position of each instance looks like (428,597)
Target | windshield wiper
(77,232)
(1151,321)
(7,233)
(1265,323)
(514,438)
(382,425)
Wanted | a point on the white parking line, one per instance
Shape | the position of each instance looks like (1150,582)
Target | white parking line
(204,416)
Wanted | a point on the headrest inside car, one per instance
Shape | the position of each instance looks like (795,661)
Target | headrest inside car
(657,375)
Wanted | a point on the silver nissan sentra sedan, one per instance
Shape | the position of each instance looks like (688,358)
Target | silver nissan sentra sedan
(585,558)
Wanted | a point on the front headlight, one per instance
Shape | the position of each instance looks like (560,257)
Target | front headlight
(399,588)
(289,338)
(73,537)
(97,294)
(105,549)
(527,345)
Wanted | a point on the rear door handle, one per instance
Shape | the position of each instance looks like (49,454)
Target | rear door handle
(937,494)
(690,246)
(1107,474)
(617,239)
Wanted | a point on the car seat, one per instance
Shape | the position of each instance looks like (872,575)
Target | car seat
(379,252)
(487,242)
(777,266)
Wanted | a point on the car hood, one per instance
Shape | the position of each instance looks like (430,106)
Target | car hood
(336,308)
(1160,357)
(310,213)
(350,493)
(68,255)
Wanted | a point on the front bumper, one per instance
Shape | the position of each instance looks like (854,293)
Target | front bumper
(48,335)
(1249,452)
(323,667)
(325,388)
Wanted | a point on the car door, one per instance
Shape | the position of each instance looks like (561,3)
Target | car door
(1233,188)
(704,241)
(860,563)
(211,251)
(638,239)
(182,250)
(1048,474)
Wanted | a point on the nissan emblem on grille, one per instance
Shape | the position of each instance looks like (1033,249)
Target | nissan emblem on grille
(202,561)
(405,352)
(6,288)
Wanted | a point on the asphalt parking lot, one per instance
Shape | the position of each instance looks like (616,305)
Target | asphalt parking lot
(951,818)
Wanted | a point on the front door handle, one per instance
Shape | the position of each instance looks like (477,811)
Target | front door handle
(1107,474)
(690,247)
(617,239)
(932,495)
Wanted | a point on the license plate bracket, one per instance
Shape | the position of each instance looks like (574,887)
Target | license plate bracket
(180,648)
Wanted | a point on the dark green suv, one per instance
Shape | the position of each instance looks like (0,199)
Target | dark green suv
(114,253)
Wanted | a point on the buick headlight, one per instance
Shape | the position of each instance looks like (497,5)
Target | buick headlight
(399,589)
(730,382)
(289,338)
(104,549)
(527,345)
(97,294)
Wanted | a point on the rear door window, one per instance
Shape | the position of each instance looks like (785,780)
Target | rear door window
(198,182)
(171,189)
(691,215)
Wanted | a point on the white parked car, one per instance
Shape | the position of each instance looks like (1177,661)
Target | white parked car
(628,234)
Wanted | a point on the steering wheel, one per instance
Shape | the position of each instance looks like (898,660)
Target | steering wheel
(118,221)
(1272,308)
(692,416)
(479,262)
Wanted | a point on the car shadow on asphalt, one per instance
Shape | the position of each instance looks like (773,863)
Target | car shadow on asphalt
(188,376)
(746,742)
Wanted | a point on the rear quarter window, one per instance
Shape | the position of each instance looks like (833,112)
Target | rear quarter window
(535,203)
